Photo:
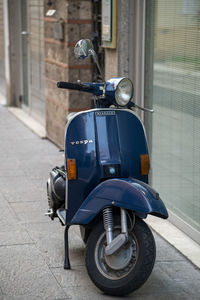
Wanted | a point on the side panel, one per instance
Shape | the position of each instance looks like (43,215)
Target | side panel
(133,143)
(81,145)
(127,193)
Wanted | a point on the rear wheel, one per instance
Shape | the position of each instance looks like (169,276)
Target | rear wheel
(128,268)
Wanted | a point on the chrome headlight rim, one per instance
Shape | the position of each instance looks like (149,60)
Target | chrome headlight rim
(120,101)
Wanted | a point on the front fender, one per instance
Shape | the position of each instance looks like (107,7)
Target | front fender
(126,193)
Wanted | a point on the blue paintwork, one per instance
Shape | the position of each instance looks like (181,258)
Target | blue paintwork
(126,193)
(97,138)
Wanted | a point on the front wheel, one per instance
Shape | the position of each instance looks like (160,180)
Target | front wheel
(128,268)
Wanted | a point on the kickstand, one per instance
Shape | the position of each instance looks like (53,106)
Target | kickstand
(66,263)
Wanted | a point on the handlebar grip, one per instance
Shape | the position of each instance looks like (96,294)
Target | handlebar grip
(69,85)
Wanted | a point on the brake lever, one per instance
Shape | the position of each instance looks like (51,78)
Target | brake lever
(142,108)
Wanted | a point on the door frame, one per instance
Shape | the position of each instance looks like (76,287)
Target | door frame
(13,54)
(137,18)
(7,50)
(25,107)
(13,63)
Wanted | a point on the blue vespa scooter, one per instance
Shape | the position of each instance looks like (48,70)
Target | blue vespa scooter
(103,185)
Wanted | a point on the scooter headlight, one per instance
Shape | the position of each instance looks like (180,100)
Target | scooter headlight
(124,92)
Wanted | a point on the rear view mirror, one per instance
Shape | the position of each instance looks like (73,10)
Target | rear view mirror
(83,49)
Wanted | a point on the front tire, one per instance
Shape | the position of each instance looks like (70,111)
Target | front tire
(128,268)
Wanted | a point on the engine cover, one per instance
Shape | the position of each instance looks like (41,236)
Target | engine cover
(56,185)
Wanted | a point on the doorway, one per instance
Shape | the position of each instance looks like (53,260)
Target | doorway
(25,54)
(32,56)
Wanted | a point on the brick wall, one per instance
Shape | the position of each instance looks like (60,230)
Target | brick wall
(61,64)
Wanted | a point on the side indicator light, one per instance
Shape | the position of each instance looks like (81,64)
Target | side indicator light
(71,169)
(144,164)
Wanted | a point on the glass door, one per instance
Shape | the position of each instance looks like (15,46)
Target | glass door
(172,88)
(25,56)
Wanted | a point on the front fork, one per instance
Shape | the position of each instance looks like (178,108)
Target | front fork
(114,244)
(108,224)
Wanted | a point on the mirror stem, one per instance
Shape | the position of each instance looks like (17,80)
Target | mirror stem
(93,54)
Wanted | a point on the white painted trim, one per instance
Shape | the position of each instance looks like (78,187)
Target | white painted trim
(176,238)
(2,99)
(36,127)
(185,227)
(7,49)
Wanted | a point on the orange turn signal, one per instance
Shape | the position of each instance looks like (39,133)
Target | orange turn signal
(71,169)
(144,164)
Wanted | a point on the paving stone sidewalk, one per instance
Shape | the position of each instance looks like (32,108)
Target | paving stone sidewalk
(31,245)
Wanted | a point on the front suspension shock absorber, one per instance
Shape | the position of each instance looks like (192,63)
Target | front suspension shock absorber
(108,223)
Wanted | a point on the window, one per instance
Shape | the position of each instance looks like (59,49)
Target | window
(173,89)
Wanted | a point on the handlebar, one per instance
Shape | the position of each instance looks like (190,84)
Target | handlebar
(75,86)
(69,85)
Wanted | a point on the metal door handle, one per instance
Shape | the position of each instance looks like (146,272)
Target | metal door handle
(25,33)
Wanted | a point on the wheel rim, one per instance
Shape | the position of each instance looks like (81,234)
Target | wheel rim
(121,263)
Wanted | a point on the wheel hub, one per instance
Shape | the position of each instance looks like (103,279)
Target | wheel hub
(119,264)
(120,259)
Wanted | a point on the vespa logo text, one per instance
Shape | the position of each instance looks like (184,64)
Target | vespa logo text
(83,142)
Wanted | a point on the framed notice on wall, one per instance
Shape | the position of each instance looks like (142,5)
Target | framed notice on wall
(109,23)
